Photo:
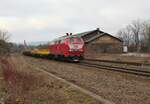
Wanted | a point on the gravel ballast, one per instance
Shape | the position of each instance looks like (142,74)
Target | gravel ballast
(116,87)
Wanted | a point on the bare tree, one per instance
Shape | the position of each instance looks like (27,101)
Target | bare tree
(4,46)
(132,34)
(135,27)
(126,35)
(4,35)
(146,34)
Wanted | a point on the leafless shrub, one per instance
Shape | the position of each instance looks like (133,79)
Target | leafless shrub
(18,83)
(4,35)
(4,46)
(24,87)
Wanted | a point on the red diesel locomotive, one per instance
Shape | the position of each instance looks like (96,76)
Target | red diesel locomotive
(70,47)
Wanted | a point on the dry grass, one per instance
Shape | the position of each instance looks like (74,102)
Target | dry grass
(17,84)
(25,85)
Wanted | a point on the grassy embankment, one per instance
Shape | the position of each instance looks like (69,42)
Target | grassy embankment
(20,83)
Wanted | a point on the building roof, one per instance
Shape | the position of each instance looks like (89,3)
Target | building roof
(84,33)
(100,34)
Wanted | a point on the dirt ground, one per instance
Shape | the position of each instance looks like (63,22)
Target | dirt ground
(129,57)
(21,83)
(118,87)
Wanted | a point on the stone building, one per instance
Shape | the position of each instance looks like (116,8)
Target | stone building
(97,41)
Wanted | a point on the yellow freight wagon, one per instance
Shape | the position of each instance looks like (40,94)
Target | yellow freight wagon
(41,52)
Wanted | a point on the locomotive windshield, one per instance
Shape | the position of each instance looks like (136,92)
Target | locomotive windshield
(75,40)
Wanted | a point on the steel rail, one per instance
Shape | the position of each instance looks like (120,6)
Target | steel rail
(119,62)
(118,69)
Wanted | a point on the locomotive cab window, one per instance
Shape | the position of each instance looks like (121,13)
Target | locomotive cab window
(62,41)
(75,40)
(72,40)
(78,40)
(59,41)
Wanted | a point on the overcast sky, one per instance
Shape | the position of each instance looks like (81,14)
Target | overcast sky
(43,20)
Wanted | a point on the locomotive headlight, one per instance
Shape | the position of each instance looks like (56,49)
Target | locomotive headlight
(71,50)
(71,46)
(75,47)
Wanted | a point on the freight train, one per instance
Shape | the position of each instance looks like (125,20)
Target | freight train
(69,47)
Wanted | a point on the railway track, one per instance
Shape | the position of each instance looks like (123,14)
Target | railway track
(98,81)
(133,71)
(83,90)
(120,62)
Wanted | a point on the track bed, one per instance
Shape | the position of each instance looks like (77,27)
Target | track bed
(117,87)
